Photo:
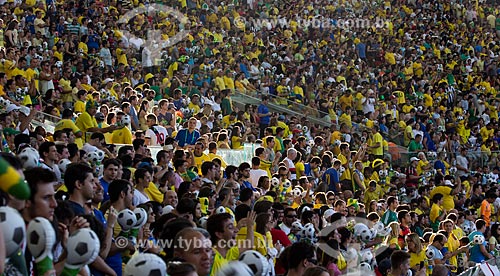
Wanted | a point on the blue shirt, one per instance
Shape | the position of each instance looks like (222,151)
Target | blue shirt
(133,115)
(76,208)
(439,165)
(247,184)
(264,110)
(30,19)
(475,252)
(331,178)
(184,138)
(105,186)
(244,70)
(361,48)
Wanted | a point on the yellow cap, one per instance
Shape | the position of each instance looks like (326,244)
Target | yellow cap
(148,76)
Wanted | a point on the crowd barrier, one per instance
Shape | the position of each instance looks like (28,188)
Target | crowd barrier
(398,155)
(477,271)
(230,156)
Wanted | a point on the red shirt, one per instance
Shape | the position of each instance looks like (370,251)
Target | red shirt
(279,235)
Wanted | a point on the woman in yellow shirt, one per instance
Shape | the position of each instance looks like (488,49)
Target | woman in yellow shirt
(415,248)
(392,239)
(237,139)
(223,141)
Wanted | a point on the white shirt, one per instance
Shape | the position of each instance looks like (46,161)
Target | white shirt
(146,57)
(291,168)
(54,168)
(139,198)
(285,228)
(157,137)
(136,42)
(255,175)
(463,162)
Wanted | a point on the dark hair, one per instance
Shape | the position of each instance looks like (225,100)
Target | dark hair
(480,223)
(241,211)
(140,174)
(243,166)
(76,172)
(206,166)
(63,212)
(137,143)
(398,257)
(179,268)
(123,150)
(437,197)
(72,149)
(391,200)
(260,223)
(116,187)
(184,188)
(12,160)
(45,147)
(36,176)
(299,252)
(96,226)
(402,214)
(171,229)
(314,271)
(111,161)
(215,224)
(246,194)
(230,169)
(262,206)
(186,205)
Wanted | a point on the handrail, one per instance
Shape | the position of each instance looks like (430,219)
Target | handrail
(253,99)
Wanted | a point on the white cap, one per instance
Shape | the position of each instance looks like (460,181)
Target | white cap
(11,107)
(167,209)
(414,159)
(25,110)
(108,80)
(168,147)
(328,213)
(448,183)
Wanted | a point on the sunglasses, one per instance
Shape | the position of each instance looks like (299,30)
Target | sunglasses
(291,216)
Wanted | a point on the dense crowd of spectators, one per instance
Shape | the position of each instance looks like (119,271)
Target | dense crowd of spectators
(139,126)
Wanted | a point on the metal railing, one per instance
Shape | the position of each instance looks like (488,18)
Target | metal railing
(476,270)
(290,107)
(401,156)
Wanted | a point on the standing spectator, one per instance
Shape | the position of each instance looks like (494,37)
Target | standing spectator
(479,252)
(186,138)
(486,207)
(156,133)
(48,153)
(462,162)
(264,115)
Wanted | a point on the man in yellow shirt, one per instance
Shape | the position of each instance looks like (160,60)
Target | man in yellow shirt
(448,190)
(86,121)
(80,103)
(377,143)
(122,135)
(345,158)
(212,154)
(223,234)
(67,122)
(199,156)
(229,119)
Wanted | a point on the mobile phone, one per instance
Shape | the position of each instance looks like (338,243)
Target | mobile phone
(421,264)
